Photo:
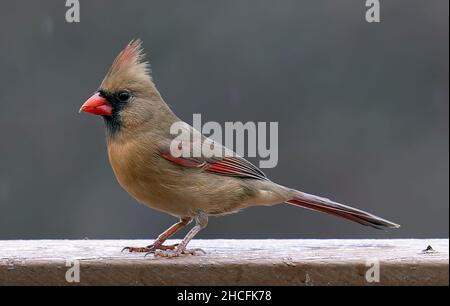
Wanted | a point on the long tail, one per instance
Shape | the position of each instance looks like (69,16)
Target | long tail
(316,203)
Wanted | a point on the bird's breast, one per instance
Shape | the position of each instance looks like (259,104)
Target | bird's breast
(138,172)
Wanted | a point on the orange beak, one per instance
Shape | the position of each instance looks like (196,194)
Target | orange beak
(97,105)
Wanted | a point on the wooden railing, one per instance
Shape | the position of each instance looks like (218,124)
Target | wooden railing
(228,262)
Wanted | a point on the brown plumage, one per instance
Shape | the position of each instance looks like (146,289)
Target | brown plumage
(138,125)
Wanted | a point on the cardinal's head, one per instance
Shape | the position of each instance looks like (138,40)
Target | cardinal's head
(127,96)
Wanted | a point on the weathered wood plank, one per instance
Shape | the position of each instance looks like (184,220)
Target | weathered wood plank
(228,262)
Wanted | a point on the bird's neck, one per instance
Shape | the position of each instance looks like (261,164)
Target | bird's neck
(157,122)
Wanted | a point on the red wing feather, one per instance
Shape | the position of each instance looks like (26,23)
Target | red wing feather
(228,165)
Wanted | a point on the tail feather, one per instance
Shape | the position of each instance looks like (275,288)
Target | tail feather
(316,203)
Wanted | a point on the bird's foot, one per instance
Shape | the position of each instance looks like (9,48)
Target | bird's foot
(150,248)
(177,253)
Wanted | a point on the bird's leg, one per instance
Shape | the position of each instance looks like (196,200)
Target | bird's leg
(158,244)
(201,221)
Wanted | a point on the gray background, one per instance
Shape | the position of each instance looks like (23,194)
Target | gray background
(362,110)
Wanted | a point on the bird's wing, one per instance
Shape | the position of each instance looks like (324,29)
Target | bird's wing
(227,165)
(226,162)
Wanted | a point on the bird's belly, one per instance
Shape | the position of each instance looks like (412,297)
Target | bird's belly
(187,194)
(154,194)
(181,192)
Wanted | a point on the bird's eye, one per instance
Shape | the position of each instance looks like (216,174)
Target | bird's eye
(123,95)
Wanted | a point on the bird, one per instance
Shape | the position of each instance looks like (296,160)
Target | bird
(191,188)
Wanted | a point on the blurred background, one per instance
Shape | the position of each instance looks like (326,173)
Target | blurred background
(362,110)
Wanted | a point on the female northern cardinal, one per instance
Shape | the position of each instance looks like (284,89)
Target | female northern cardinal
(138,125)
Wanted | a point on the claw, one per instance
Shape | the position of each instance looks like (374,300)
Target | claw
(136,249)
(150,248)
(154,249)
